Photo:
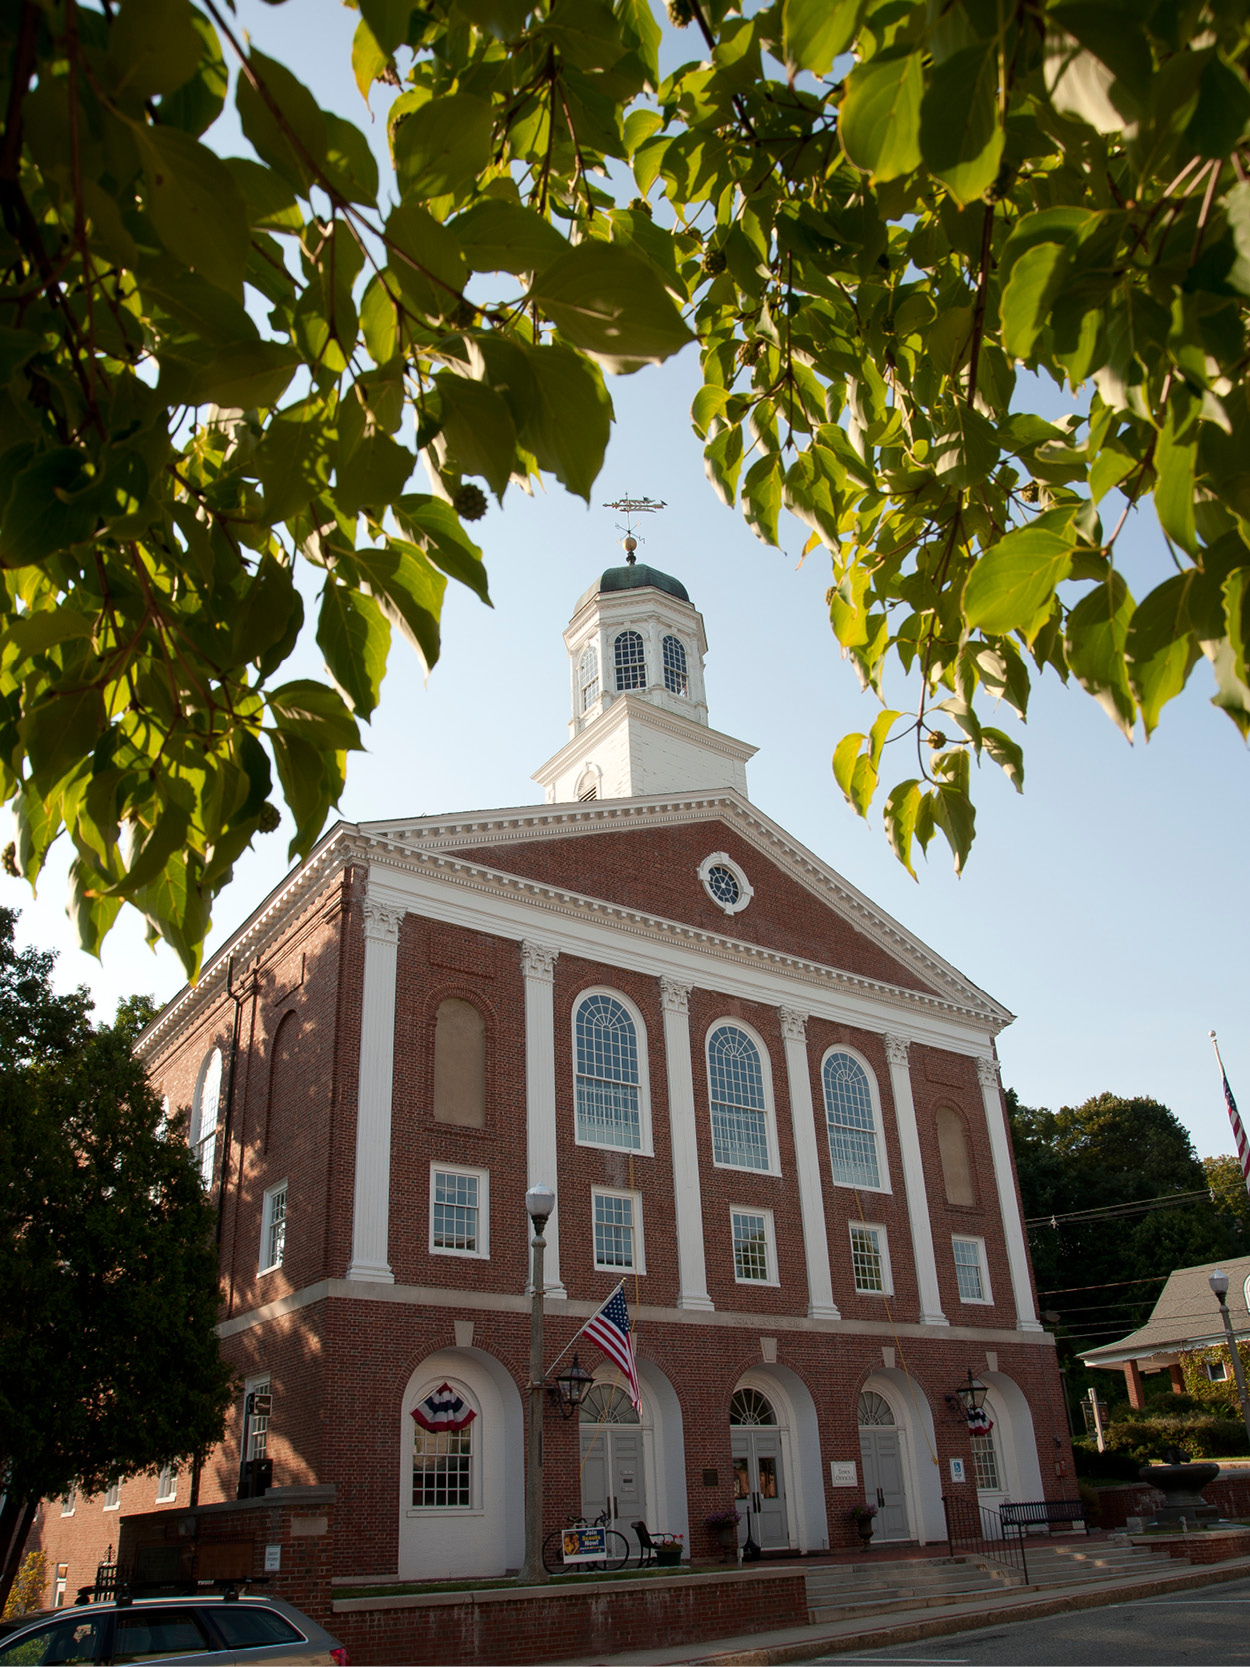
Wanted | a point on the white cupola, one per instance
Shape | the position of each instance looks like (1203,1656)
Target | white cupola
(638,724)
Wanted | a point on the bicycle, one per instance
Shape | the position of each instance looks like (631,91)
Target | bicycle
(616,1544)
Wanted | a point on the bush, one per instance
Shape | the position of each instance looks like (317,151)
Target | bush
(1198,1435)
(1093,1466)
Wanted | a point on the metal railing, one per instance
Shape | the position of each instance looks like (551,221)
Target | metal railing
(980,1529)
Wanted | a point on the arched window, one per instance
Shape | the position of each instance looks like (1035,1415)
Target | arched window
(676,678)
(956,1162)
(204,1115)
(631,662)
(608,1112)
(748,1406)
(460,1064)
(442,1457)
(736,1090)
(608,1403)
(852,1122)
(588,677)
(874,1409)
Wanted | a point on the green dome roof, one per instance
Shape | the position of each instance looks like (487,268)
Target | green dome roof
(637,576)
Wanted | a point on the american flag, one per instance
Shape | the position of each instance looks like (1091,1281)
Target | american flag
(1239,1133)
(609,1331)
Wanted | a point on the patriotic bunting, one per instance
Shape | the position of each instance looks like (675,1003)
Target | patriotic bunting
(443,1410)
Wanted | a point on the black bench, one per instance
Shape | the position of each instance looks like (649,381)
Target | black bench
(1037,1513)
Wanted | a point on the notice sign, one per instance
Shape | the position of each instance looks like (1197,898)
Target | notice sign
(273,1559)
(957,1470)
(842,1473)
(585,1545)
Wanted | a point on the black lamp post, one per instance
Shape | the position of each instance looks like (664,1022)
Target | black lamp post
(540,1202)
(569,1389)
(970,1396)
(1218,1281)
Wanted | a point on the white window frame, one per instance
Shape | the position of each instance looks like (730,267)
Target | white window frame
(986,1300)
(770,1244)
(204,1145)
(746,891)
(640,1256)
(770,1107)
(60,1583)
(167,1486)
(475,1452)
(261,1384)
(113,1498)
(69,1501)
(266,1224)
(644,1148)
(482,1177)
(883,1251)
(1210,1366)
(878,1120)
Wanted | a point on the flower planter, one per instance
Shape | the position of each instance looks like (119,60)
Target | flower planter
(726,1538)
(668,1555)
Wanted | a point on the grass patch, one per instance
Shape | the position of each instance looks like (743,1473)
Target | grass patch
(428,1588)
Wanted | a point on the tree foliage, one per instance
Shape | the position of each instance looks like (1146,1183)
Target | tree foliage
(872,214)
(107,1255)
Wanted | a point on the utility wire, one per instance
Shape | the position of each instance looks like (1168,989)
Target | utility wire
(1066,1290)
(1140,1206)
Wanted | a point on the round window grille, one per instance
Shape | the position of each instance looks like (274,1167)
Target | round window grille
(607,1403)
(722,885)
(725,883)
(748,1406)
(874,1409)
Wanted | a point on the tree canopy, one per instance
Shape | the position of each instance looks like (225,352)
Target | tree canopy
(872,215)
(108,1263)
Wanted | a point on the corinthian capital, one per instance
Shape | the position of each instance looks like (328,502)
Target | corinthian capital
(987,1071)
(382,920)
(794,1024)
(896,1049)
(538,960)
(674,995)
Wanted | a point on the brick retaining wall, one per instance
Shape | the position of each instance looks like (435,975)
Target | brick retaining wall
(1229,1494)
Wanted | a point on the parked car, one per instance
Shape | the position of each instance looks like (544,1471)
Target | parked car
(199,1629)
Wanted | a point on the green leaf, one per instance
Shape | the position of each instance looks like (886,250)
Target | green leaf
(879,122)
(408,591)
(1161,648)
(307,786)
(1175,460)
(761,496)
(1097,630)
(355,639)
(290,137)
(953,812)
(815,32)
(571,420)
(478,428)
(902,809)
(1007,754)
(388,20)
(968,452)
(267,196)
(370,62)
(640,25)
(961,135)
(442,147)
(350,164)
(372,475)
(426,259)
(1222,113)
(153,47)
(50,505)
(245,376)
(196,103)
(1013,584)
(59,733)
(504,237)
(314,712)
(722,462)
(611,305)
(1035,279)
(195,205)
(436,528)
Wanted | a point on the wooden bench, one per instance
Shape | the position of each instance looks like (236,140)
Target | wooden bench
(1042,1513)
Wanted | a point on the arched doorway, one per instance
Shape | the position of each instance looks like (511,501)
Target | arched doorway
(614,1458)
(883,1453)
(757,1439)
(1005,1463)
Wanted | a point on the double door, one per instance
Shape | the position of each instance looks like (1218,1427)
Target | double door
(882,1454)
(613,1478)
(759,1488)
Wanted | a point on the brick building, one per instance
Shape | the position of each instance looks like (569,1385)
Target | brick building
(759,1099)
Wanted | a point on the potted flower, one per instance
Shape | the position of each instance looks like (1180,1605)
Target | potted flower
(724,1525)
(668,1551)
(861,1516)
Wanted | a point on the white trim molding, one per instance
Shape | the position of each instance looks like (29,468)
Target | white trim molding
(371,1204)
(683,1136)
(538,961)
(896,1053)
(820,1303)
(1008,1200)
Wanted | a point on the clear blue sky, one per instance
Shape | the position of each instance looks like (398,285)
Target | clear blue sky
(1106,907)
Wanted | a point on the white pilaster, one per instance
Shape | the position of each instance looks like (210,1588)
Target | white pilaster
(371,1207)
(538,961)
(820,1303)
(1008,1203)
(687,1195)
(913,1180)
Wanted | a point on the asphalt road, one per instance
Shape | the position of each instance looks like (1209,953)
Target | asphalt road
(1211,1627)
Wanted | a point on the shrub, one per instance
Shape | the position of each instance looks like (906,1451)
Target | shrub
(1198,1435)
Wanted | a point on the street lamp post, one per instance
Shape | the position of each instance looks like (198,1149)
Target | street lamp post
(1218,1281)
(540,1201)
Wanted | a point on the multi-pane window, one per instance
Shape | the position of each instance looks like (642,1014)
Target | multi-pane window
(458,1211)
(608,1112)
(442,1469)
(167,1485)
(618,1231)
(113,1498)
(869,1260)
(985,1463)
(258,1426)
(273,1229)
(736,1090)
(631,661)
(852,1123)
(59,1585)
(970,1270)
(68,1502)
(588,677)
(676,677)
(753,1249)
(204,1116)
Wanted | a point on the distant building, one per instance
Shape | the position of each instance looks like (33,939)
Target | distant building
(1186,1318)
(760,1100)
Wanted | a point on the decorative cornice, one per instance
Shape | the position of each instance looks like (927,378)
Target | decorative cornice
(538,960)
(896,1049)
(382,921)
(987,1072)
(794,1024)
(675,995)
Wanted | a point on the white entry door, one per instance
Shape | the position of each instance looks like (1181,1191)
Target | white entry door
(759,1488)
(613,1477)
(884,1486)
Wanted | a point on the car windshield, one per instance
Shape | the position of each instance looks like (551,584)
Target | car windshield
(74,1639)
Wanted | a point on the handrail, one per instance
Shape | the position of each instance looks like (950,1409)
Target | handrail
(981,1529)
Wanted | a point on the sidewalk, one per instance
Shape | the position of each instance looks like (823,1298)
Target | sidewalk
(1018,1604)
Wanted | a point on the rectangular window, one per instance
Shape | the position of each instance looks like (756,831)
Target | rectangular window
(870,1260)
(970,1274)
(273,1229)
(59,1585)
(618,1231)
(442,1469)
(167,1485)
(985,1463)
(1217,1370)
(458,1211)
(258,1427)
(755,1258)
(113,1498)
(68,1501)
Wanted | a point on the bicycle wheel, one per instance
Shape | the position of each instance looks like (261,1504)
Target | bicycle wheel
(618,1550)
(553,1552)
